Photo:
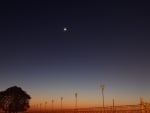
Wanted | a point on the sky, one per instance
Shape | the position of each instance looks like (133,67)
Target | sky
(105,43)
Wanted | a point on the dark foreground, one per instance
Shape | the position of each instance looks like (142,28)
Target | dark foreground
(111,109)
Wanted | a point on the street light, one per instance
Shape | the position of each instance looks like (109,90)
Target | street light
(37,107)
(102,89)
(40,107)
(76,95)
(45,105)
(52,104)
(61,99)
(113,106)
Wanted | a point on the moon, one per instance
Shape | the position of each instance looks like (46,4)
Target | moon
(65,29)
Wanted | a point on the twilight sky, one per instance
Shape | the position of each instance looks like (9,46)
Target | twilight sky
(106,43)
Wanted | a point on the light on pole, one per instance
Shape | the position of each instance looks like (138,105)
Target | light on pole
(61,99)
(113,106)
(52,104)
(102,89)
(37,107)
(76,96)
(45,105)
(40,107)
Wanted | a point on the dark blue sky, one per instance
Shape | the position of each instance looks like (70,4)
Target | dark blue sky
(106,42)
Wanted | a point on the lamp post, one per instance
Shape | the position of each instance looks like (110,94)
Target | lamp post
(52,104)
(102,89)
(45,106)
(61,99)
(37,108)
(40,107)
(113,106)
(76,96)
(142,105)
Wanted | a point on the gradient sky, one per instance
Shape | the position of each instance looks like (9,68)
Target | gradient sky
(106,43)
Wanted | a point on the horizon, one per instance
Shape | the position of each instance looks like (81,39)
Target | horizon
(42,104)
(105,43)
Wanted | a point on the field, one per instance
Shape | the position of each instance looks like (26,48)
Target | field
(110,109)
(140,108)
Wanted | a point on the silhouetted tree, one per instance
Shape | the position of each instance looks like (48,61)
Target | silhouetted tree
(14,99)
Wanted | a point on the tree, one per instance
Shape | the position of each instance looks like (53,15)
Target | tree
(14,100)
